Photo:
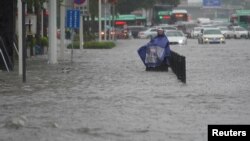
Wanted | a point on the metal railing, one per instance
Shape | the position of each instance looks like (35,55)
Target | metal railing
(5,53)
(178,66)
(14,44)
(5,63)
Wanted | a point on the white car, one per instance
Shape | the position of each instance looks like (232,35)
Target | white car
(239,32)
(166,27)
(149,33)
(226,32)
(211,36)
(176,37)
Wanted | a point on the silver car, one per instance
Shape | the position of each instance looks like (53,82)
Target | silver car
(149,33)
(176,37)
(211,36)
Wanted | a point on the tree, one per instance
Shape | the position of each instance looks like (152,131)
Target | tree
(127,6)
(38,7)
(169,2)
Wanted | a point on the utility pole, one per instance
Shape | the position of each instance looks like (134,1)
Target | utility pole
(62,29)
(52,32)
(20,37)
(24,51)
(105,20)
(99,19)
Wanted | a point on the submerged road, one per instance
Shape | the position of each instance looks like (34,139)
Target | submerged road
(106,95)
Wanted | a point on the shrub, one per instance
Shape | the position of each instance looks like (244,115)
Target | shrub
(92,45)
(76,45)
(44,41)
(99,45)
(76,37)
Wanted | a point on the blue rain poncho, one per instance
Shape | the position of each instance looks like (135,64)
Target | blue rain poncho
(156,52)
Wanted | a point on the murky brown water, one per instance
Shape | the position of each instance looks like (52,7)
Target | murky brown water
(106,95)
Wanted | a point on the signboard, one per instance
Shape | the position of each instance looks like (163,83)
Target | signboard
(73,18)
(30,22)
(243,12)
(212,3)
(161,13)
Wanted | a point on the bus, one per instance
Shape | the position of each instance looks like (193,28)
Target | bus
(242,18)
(179,15)
(161,14)
(130,20)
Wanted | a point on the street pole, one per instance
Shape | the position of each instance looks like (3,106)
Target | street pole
(20,37)
(62,29)
(81,30)
(105,20)
(113,21)
(110,25)
(42,23)
(99,20)
(24,51)
(52,32)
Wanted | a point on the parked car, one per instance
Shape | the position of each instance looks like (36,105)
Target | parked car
(211,35)
(176,37)
(226,32)
(149,33)
(239,32)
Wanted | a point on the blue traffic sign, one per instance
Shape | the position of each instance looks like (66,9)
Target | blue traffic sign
(211,3)
(73,19)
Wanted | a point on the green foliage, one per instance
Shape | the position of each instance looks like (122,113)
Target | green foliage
(76,45)
(35,3)
(93,45)
(31,43)
(89,37)
(170,2)
(127,6)
(99,45)
(93,8)
(76,37)
(44,41)
(86,37)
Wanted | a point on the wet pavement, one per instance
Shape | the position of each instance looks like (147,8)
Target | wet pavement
(106,95)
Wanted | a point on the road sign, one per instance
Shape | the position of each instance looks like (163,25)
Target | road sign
(79,1)
(212,3)
(73,18)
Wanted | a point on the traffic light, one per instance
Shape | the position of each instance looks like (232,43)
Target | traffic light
(164,17)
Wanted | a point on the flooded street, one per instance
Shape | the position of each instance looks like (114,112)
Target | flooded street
(106,95)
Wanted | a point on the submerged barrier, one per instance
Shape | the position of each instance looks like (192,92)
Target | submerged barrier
(178,66)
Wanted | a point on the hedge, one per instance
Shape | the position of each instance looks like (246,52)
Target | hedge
(76,45)
(93,45)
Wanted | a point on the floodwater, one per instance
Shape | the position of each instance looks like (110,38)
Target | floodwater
(106,95)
